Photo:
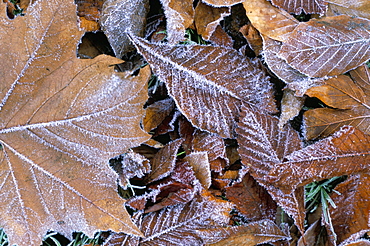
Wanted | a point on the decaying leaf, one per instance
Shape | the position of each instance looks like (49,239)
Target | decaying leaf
(297,6)
(346,152)
(253,38)
(200,164)
(164,161)
(328,46)
(180,15)
(207,19)
(251,199)
(269,20)
(358,8)
(208,92)
(290,106)
(156,112)
(353,207)
(263,231)
(350,106)
(121,16)
(61,121)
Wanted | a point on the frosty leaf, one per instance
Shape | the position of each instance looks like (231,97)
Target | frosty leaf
(200,164)
(61,121)
(353,206)
(346,152)
(180,15)
(269,20)
(222,3)
(263,231)
(296,6)
(156,112)
(121,16)
(207,19)
(178,224)
(290,106)
(221,38)
(352,107)
(208,92)
(251,200)
(329,46)
(357,8)
(361,76)
(164,161)
(359,242)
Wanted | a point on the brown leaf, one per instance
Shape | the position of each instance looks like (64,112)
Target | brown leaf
(121,16)
(360,242)
(353,207)
(269,20)
(253,38)
(251,200)
(346,152)
(222,3)
(328,46)
(180,15)
(61,121)
(313,236)
(164,161)
(263,231)
(350,101)
(156,112)
(297,6)
(179,224)
(201,167)
(208,93)
(358,8)
(221,38)
(361,76)
(290,106)
(208,18)
(90,9)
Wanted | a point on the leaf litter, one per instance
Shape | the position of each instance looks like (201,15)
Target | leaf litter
(63,118)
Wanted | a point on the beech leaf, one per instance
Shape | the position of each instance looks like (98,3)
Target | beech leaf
(201,167)
(358,8)
(156,113)
(296,6)
(61,121)
(328,46)
(206,91)
(349,102)
(121,16)
(222,3)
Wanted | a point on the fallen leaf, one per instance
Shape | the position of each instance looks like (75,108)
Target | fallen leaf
(89,9)
(263,231)
(207,19)
(349,104)
(164,161)
(313,235)
(269,20)
(179,16)
(328,46)
(297,6)
(201,167)
(360,242)
(206,92)
(251,200)
(61,121)
(221,38)
(290,106)
(361,76)
(353,206)
(357,8)
(222,3)
(346,152)
(156,112)
(121,16)
(253,38)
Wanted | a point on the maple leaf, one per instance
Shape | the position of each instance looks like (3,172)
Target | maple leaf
(208,93)
(348,100)
(121,16)
(328,46)
(61,121)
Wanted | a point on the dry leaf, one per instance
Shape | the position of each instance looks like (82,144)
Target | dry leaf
(349,104)
(356,8)
(290,106)
(221,38)
(156,113)
(121,16)
(346,152)
(353,207)
(269,20)
(328,46)
(361,76)
(208,18)
(253,38)
(201,167)
(208,93)
(297,6)
(90,9)
(61,121)
(222,3)
(179,15)
(263,231)
(164,161)
(251,200)
(360,242)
